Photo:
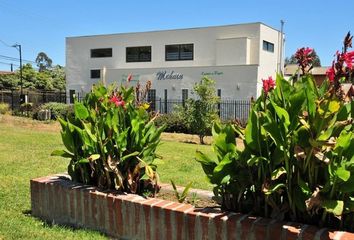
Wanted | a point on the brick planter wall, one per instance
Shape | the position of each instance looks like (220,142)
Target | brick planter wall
(58,200)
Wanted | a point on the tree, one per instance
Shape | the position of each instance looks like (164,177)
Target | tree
(202,112)
(43,61)
(58,75)
(9,81)
(316,59)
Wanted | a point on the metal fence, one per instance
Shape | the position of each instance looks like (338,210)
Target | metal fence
(227,109)
(36,98)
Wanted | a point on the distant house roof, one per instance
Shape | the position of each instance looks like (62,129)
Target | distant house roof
(292,68)
(6,72)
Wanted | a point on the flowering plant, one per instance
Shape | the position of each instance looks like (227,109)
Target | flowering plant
(297,161)
(111,141)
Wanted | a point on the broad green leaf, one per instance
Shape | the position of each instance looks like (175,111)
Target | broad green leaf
(256,160)
(348,186)
(136,153)
(333,206)
(343,141)
(94,157)
(62,153)
(252,131)
(275,188)
(83,160)
(283,115)
(278,172)
(81,111)
(343,174)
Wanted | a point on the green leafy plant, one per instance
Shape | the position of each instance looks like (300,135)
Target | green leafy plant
(181,197)
(4,108)
(57,110)
(111,141)
(200,113)
(297,163)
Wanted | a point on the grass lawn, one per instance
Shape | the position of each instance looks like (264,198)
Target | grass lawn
(25,148)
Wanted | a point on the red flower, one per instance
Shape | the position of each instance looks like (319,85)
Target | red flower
(118,101)
(129,78)
(268,84)
(331,73)
(349,59)
(303,57)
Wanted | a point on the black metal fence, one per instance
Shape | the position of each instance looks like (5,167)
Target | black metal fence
(227,109)
(36,98)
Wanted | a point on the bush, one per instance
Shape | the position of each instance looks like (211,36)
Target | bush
(56,109)
(174,123)
(297,163)
(111,141)
(4,108)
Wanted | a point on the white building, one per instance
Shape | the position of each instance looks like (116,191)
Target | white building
(237,57)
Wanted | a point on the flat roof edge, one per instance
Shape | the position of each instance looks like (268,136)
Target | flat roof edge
(177,29)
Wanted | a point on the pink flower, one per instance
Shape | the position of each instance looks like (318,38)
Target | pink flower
(118,101)
(331,73)
(129,78)
(268,84)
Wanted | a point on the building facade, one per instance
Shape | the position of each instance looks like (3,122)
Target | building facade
(237,57)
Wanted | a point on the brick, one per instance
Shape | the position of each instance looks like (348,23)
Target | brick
(343,235)
(291,231)
(231,225)
(117,206)
(274,230)
(94,210)
(245,227)
(259,228)
(309,232)
(111,215)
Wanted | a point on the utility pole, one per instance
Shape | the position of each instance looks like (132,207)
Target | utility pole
(18,47)
(281,46)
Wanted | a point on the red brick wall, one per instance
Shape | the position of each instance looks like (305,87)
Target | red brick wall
(60,201)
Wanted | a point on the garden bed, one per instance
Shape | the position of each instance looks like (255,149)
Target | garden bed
(56,199)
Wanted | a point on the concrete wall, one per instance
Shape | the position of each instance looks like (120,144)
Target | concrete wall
(239,46)
(236,82)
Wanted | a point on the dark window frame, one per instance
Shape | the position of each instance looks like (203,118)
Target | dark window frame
(139,54)
(268,46)
(93,73)
(180,47)
(101,52)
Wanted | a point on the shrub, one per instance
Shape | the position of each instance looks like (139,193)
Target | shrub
(111,141)
(4,108)
(297,163)
(56,109)
(200,113)
(174,123)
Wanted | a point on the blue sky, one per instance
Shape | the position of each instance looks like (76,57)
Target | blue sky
(43,25)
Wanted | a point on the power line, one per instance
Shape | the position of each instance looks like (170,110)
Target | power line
(7,45)
(5,63)
(15,59)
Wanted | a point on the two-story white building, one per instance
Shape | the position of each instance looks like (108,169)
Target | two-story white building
(237,57)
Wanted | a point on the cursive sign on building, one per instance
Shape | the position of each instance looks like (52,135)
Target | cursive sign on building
(164,75)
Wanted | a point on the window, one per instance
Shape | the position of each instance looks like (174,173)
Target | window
(179,52)
(268,46)
(96,73)
(101,52)
(184,94)
(72,95)
(138,54)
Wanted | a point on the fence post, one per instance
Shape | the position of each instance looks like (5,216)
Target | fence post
(12,100)
(160,105)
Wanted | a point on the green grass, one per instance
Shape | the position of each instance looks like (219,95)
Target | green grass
(25,154)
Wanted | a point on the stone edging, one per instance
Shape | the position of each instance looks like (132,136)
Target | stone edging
(58,200)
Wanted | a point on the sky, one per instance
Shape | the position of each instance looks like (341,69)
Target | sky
(42,26)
